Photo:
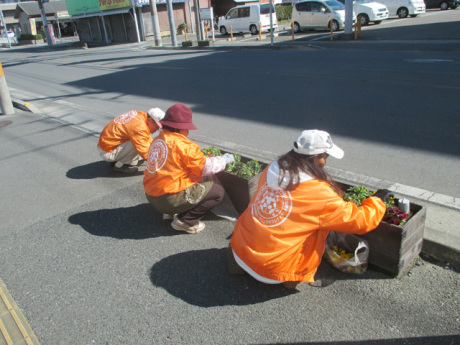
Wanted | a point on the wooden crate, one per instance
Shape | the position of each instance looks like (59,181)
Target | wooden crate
(394,248)
(239,189)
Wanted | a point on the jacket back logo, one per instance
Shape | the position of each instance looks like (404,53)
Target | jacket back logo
(271,206)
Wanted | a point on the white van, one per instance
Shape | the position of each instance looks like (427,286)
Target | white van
(247,19)
(403,8)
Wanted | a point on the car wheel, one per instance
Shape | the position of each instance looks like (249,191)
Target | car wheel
(253,30)
(335,25)
(402,12)
(297,27)
(444,6)
(364,19)
(454,6)
(223,30)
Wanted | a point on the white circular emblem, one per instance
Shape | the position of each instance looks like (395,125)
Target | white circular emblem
(271,206)
(158,153)
(126,117)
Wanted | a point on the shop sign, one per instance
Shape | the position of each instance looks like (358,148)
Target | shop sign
(62,15)
(105,5)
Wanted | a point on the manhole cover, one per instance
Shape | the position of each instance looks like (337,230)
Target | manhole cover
(5,123)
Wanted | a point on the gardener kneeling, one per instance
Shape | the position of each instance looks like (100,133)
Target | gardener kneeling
(179,180)
(281,236)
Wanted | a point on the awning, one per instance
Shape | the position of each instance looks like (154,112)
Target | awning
(102,13)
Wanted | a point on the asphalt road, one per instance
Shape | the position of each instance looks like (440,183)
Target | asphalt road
(391,111)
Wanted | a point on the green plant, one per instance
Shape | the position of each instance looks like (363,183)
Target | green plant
(29,37)
(393,214)
(283,12)
(211,151)
(182,26)
(238,168)
(357,194)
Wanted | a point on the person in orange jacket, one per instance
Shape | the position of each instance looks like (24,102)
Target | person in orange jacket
(179,179)
(125,141)
(281,236)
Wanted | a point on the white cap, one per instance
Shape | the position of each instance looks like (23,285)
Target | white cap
(315,142)
(157,115)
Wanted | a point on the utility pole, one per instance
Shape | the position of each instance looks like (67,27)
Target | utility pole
(45,24)
(4,25)
(172,25)
(5,99)
(348,17)
(196,4)
(155,23)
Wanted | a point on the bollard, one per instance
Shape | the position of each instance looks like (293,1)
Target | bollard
(5,100)
(260,32)
(292,29)
(332,30)
(231,32)
(358,28)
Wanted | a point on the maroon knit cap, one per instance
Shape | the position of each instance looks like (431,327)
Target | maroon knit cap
(178,116)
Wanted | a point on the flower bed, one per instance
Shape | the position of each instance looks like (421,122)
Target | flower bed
(240,178)
(394,247)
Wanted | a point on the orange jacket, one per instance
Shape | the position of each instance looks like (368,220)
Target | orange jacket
(282,235)
(128,126)
(174,164)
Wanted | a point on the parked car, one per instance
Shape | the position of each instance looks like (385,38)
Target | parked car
(247,19)
(10,34)
(404,8)
(318,14)
(442,4)
(369,11)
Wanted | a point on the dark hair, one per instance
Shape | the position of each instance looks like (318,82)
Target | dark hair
(171,129)
(293,163)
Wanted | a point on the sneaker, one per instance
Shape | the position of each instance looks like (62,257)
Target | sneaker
(126,169)
(181,226)
(167,216)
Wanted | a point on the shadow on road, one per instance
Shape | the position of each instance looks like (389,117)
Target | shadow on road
(96,169)
(135,223)
(200,278)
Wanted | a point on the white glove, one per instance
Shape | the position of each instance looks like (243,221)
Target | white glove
(228,158)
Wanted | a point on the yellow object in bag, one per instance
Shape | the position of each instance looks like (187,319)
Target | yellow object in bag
(346,252)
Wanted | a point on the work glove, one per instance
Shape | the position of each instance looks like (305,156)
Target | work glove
(383,194)
(228,158)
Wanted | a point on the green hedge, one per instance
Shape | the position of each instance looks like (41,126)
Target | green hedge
(28,37)
(283,12)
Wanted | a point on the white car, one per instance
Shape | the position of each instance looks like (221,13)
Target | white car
(369,11)
(404,8)
(248,18)
(318,14)
(10,34)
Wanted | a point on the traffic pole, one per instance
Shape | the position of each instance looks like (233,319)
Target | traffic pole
(5,99)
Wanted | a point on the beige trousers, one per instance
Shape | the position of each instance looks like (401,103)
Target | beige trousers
(124,153)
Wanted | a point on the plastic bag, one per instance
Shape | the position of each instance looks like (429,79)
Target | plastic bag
(346,252)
